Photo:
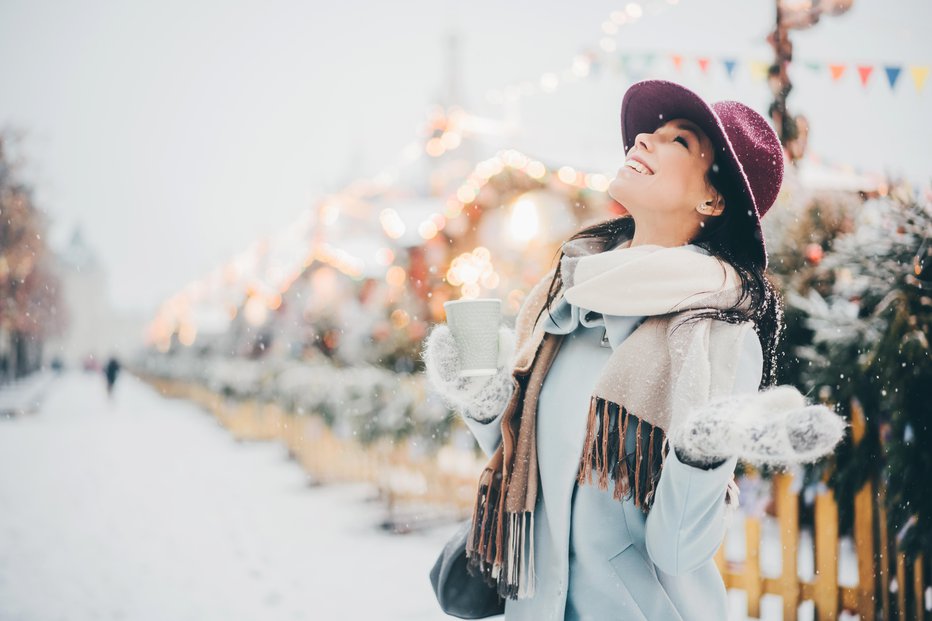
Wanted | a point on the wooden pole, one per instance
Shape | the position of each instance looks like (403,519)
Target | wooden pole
(901,586)
(883,538)
(864,527)
(788,517)
(826,557)
(919,589)
(752,579)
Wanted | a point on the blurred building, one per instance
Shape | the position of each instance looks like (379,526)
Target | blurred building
(93,329)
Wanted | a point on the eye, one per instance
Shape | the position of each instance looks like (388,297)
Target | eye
(683,140)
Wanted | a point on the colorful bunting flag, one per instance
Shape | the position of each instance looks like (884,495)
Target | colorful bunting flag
(621,66)
(759,69)
(892,74)
(730,68)
(919,75)
(636,65)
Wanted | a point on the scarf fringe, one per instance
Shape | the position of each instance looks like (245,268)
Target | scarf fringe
(500,546)
(635,474)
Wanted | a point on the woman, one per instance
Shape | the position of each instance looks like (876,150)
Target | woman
(642,369)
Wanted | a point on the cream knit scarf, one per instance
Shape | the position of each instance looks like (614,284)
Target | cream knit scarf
(651,380)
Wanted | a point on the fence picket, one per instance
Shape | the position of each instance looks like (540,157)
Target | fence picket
(826,593)
(752,578)
(901,586)
(918,589)
(864,527)
(788,517)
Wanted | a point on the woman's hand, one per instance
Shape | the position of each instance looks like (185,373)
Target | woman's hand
(480,398)
(773,426)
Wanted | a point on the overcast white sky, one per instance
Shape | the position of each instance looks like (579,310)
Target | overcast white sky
(176,133)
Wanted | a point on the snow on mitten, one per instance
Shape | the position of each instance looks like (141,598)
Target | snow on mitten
(814,431)
(480,398)
(773,426)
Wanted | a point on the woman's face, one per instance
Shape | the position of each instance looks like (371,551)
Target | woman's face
(678,155)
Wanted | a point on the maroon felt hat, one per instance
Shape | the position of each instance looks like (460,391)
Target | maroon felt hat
(747,150)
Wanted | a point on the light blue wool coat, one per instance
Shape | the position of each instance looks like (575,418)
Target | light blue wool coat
(597,558)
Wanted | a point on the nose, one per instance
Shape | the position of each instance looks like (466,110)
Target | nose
(642,142)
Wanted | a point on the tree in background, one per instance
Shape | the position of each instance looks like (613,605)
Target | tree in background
(859,316)
(29,307)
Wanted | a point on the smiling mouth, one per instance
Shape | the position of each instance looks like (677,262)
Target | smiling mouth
(637,167)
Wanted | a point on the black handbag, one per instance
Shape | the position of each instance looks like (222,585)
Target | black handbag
(460,593)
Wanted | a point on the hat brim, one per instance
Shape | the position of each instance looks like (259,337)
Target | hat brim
(648,104)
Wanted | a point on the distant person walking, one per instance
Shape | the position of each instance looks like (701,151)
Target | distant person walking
(111,371)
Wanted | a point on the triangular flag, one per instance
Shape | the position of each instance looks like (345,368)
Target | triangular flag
(759,69)
(814,66)
(703,64)
(893,72)
(865,72)
(837,71)
(629,66)
(618,66)
(730,68)
(649,59)
(919,75)
(677,61)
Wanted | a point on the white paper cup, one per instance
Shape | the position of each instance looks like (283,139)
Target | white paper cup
(474,324)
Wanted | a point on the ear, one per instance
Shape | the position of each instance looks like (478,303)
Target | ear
(717,204)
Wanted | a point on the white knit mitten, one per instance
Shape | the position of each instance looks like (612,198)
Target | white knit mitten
(774,426)
(479,398)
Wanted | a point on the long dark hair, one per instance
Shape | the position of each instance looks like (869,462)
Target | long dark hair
(718,235)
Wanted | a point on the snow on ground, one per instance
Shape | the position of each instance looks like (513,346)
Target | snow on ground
(144,508)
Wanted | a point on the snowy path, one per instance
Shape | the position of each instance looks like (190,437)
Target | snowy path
(143,508)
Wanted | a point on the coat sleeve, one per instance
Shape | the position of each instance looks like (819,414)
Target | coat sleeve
(685,526)
(488,433)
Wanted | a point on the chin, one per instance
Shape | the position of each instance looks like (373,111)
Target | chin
(616,190)
(613,190)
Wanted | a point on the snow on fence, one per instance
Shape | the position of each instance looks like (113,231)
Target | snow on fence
(408,477)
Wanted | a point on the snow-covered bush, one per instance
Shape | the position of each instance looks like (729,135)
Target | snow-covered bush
(365,401)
